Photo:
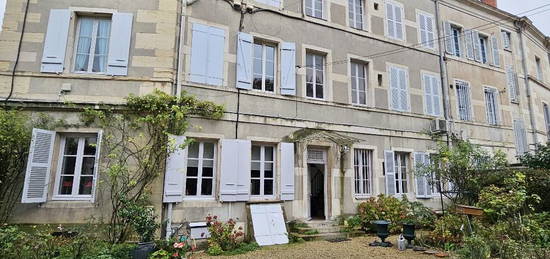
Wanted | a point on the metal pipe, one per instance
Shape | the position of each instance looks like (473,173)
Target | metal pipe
(169,221)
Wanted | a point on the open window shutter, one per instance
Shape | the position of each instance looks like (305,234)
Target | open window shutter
(37,175)
(288,68)
(430,31)
(390,20)
(55,44)
(287,171)
(423,31)
(244,160)
(199,54)
(403,94)
(235,170)
(245,51)
(469,44)
(97,161)
(436,86)
(419,179)
(496,51)
(389,161)
(428,95)
(176,165)
(394,85)
(449,43)
(398,22)
(119,44)
(427,162)
(505,39)
(216,49)
(477,46)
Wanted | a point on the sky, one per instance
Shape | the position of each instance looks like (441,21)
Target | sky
(518,7)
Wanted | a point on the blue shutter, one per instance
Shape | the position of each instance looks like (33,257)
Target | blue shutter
(470,44)
(436,89)
(245,55)
(288,68)
(420,180)
(477,46)
(496,51)
(287,171)
(428,94)
(449,39)
(394,88)
(216,50)
(243,173)
(119,44)
(176,166)
(55,44)
(37,174)
(199,54)
(235,170)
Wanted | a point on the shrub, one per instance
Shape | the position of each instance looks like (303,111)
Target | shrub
(447,229)
(141,218)
(418,214)
(383,208)
(475,247)
(223,235)
(352,223)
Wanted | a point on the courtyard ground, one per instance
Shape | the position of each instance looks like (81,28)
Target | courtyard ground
(356,248)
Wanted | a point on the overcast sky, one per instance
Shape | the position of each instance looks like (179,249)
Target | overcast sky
(518,7)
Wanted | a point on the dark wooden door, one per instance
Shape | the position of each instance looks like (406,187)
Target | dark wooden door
(317,195)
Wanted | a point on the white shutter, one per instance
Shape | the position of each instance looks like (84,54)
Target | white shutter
(404,92)
(216,47)
(469,44)
(119,44)
(420,180)
(547,118)
(390,20)
(477,46)
(430,34)
(427,162)
(55,44)
(423,32)
(521,137)
(235,170)
(244,160)
(176,166)
(449,39)
(389,162)
(288,68)
(428,94)
(511,82)
(245,55)
(37,174)
(505,39)
(287,171)
(398,22)
(199,53)
(394,88)
(436,90)
(97,161)
(268,224)
(496,51)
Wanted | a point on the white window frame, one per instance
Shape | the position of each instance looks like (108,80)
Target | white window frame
(357,14)
(323,2)
(264,60)
(357,79)
(78,168)
(439,96)
(506,40)
(491,90)
(92,44)
(199,176)
(399,172)
(324,83)
(468,98)
(484,48)
(262,177)
(457,39)
(386,25)
(429,44)
(359,167)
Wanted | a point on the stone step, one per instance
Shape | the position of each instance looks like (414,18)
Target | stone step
(323,229)
(329,236)
(321,223)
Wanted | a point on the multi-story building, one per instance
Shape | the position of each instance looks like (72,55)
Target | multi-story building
(328,102)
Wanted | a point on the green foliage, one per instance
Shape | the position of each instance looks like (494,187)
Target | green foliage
(351,223)
(294,238)
(140,217)
(540,159)
(475,247)
(447,229)
(214,250)
(224,234)
(383,208)
(311,232)
(418,214)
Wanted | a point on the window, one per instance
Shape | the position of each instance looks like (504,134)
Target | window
(358,83)
(464,101)
(453,39)
(2,11)
(507,40)
(432,95)
(92,45)
(394,21)
(207,55)
(399,89)
(546,110)
(262,172)
(512,83)
(491,105)
(264,67)
(521,137)
(355,12)
(401,168)
(199,179)
(362,165)
(76,173)
(426,27)
(483,42)
(539,68)
(275,3)
(315,75)
(314,8)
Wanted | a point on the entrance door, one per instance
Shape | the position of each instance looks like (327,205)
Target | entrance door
(317,190)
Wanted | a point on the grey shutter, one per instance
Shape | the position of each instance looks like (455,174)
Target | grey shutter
(511,82)
(496,51)
(119,44)
(176,166)
(287,171)
(398,22)
(428,94)
(37,174)
(97,161)
(216,50)
(436,90)
(477,46)
(235,170)
(506,40)
(423,32)
(420,180)
(55,44)
(390,20)
(199,53)
(449,39)
(244,160)
(547,118)
(430,31)
(427,162)
(394,88)
(469,44)
(288,68)
(521,137)
(389,161)
(245,55)
(404,92)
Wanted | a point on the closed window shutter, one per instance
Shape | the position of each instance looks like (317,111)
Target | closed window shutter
(427,162)
(547,119)
(176,166)
(216,43)
(288,68)
(235,170)
(421,181)
(470,44)
(55,43)
(199,54)
(404,92)
(119,44)
(496,51)
(423,32)
(449,39)
(37,174)
(436,86)
(394,85)
(389,162)
(243,174)
(390,20)
(477,46)
(521,137)
(505,40)
(428,94)
(430,32)
(511,82)
(287,171)
(245,52)
(398,22)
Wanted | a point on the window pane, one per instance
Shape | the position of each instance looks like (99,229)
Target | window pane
(255,187)
(208,150)
(192,168)
(255,169)
(208,169)
(256,153)
(68,165)
(191,186)
(206,187)
(268,154)
(71,146)
(84,44)
(66,186)
(309,90)
(88,164)
(268,187)
(319,91)
(90,146)
(268,170)
(85,187)
(193,150)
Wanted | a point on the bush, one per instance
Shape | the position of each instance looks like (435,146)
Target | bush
(447,229)
(140,217)
(475,247)
(351,223)
(419,215)
(223,235)
(383,208)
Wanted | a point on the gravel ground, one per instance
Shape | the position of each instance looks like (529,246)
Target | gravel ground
(356,248)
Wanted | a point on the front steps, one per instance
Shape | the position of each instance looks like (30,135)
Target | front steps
(322,230)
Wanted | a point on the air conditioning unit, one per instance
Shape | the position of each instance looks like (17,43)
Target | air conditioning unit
(438,126)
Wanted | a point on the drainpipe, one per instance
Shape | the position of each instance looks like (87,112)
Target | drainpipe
(520,25)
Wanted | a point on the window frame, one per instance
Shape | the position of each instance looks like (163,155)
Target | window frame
(469,99)
(276,48)
(407,82)
(361,193)
(439,96)
(386,25)
(74,196)
(484,48)
(457,39)
(506,38)
(365,66)
(426,45)
(93,43)
(324,73)
(399,174)
(199,176)
(496,106)
(323,3)
(262,178)
(354,10)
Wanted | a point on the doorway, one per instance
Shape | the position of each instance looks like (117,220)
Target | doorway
(317,190)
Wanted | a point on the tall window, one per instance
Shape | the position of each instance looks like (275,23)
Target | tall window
(92,45)
(399,89)
(426,27)
(401,168)
(539,68)
(314,8)
(355,13)
(432,94)
(264,67)
(358,83)
(491,105)
(456,33)
(464,101)
(77,169)
(262,171)
(507,40)
(315,76)
(483,43)
(362,164)
(199,180)
(546,110)
(394,21)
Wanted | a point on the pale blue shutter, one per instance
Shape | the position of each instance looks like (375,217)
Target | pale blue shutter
(389,162)
(244,160)
(119,44)
(245,55)
(428,94)
(37,174)
(420,179)
(398,22)
(199,53)
(394,88)
(496,51)
(288,68)
(427,162)
(235,170)
(390,20)
(422,28)
(436,90)
(287,171)
(470,44)
(176,166)
(55,44)
(449,39)
(216,49)
(404,91)
(477,46)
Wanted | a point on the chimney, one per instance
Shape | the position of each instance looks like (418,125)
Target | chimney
(492,3)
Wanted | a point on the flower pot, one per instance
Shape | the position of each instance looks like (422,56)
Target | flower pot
(143,250)
(408,233)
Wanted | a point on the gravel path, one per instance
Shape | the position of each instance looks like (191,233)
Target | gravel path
(356,248)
